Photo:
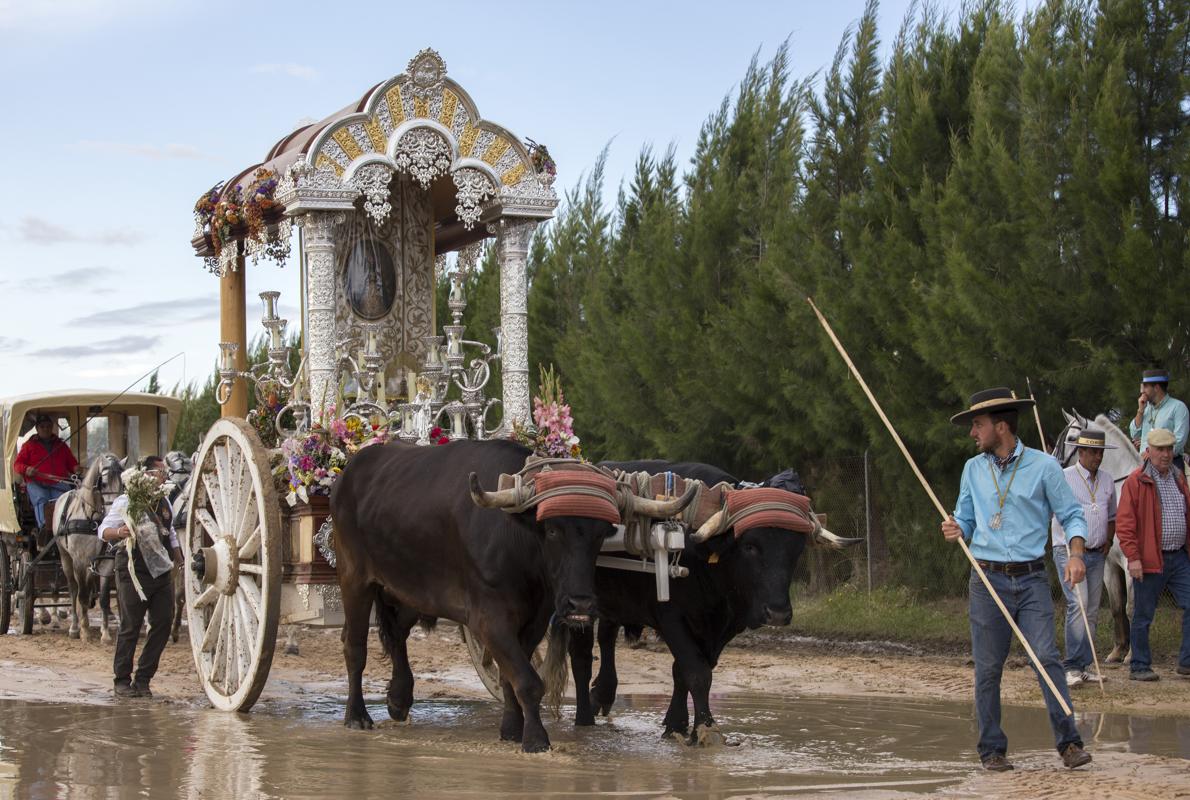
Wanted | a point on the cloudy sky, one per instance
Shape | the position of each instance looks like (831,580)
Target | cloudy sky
(119,113)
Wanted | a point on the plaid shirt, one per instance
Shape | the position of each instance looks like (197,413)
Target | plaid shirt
(1173,508)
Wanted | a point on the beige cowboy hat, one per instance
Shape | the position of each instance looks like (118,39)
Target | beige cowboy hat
(989,401)
(1092,439)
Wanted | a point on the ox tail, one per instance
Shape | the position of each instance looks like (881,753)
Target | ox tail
(387,626)
(555,670)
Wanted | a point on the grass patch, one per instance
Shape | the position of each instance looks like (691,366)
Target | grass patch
(888,613)
(896,614)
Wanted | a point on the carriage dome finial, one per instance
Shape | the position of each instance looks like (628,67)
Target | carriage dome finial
(426,71)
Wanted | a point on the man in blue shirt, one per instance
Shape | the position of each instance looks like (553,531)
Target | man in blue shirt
(1006,498)
(1156,409)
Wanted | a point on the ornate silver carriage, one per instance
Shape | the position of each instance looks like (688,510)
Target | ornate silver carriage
(381,192)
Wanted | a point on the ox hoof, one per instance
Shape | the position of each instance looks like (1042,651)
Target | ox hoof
(535,747)
(704,736)
(584,720)
(359,724)
(292,650)
(72,633)
(398,713)
(675,729)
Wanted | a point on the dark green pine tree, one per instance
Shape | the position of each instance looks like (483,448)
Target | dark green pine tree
(632,320)
(576,247)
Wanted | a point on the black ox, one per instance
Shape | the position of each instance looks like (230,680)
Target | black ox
(734,583)
(417,538)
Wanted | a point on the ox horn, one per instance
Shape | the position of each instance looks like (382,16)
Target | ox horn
(662,509)
(824,537)
(505,498)
(712,527)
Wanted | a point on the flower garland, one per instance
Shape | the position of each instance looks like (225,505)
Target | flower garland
(438,436)
(554,435)
(260,202)
(228,212)
(543,162)
(310,464)
(264,419)
(225,220)
(144,496)
(204,209)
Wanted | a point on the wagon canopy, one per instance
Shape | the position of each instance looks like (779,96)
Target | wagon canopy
(382,189)
(157,417)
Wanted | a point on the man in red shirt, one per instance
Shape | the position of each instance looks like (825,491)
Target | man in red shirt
(46,464)
(1151,523)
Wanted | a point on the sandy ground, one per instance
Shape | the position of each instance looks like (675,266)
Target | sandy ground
(48,665)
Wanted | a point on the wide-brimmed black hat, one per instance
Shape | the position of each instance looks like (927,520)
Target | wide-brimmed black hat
(988,401)
(1091,438)
(1155,376)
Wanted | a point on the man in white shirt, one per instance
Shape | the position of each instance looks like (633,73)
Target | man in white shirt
(1095,490)
(157,584)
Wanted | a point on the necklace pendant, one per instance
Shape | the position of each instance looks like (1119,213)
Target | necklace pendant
(994,522)
(1094,508)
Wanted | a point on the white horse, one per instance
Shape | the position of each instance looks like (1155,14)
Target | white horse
(77,515)
(1119,463)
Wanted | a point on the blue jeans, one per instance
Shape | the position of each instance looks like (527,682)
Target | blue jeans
(1027,598)
(1078,649)
(40,494)
(1175,575)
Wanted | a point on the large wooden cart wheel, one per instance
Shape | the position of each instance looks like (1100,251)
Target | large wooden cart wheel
(486,666)
(233,565)
(5,589)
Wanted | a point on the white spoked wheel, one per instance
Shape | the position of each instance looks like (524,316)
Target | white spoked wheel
(486,666)
(233,565)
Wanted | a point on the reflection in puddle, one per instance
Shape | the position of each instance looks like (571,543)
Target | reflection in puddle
(297,748)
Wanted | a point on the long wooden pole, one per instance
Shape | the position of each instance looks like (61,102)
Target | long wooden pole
(945,516)
(1082,606)
(1036,415)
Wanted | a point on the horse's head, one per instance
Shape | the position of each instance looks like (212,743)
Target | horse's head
(180,469)
(1064,449)
(85,501)
(109,480)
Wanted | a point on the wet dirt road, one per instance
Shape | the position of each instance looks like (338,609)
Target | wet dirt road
(778,746)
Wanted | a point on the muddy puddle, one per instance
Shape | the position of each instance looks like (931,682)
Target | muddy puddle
(777,746)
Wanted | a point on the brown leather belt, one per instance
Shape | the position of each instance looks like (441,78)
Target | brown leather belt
(1098,549)
(1013,568)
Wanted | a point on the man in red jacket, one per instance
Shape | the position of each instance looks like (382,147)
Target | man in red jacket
(1151,524)
(46,463)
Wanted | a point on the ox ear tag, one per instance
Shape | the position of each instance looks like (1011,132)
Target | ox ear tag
(714,559)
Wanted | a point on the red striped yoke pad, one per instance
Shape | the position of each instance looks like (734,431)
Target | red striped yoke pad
(768,508)
(574,504)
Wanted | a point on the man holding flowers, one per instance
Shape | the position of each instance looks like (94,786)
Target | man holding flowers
(141,519)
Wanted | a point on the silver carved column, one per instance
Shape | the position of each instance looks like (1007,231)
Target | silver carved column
(513,251)
(320,306)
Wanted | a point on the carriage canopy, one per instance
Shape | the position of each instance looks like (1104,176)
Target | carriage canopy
(382,190)
(136,424)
